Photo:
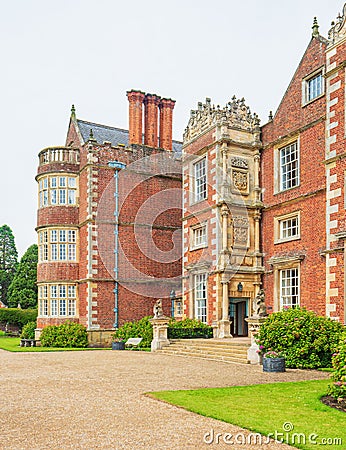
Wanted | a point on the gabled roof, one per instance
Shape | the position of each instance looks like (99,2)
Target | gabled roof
(116,136)
(320,39)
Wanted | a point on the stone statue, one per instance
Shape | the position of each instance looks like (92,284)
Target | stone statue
(260,309)
(158,312)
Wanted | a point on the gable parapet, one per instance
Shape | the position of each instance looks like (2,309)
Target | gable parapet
(234,115)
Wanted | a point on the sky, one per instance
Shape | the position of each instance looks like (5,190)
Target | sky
(89,53)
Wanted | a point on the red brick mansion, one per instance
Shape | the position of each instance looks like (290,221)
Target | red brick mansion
(260,207)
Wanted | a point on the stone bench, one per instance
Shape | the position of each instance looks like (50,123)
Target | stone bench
(28,342)
(133,342)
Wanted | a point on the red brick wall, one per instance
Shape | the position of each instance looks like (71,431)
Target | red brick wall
(57,215)
(309,196)
(200,212)
(143,276)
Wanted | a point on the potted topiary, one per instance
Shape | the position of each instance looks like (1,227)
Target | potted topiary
(118,344)
(273,362)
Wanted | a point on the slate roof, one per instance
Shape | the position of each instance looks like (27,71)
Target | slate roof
(104,133)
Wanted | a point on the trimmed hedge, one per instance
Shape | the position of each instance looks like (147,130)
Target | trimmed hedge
(337,388)
(188,329)
(15,316)
(66,335)
(306,340)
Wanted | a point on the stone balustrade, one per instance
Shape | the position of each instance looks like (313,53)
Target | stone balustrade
(59,155)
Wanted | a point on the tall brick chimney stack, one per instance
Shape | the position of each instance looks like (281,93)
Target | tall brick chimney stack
(135,116)
(151,103)
(166,116)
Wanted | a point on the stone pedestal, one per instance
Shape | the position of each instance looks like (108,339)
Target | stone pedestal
(215,327)
(224,329)
(38,332)
(254,325)
(160,325)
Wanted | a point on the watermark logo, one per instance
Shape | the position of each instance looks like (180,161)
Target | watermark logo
(287,435)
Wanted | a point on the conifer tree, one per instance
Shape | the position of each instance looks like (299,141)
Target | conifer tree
(8,260)
(23,288)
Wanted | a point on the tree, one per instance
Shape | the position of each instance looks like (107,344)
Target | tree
(8,260)
(23,288)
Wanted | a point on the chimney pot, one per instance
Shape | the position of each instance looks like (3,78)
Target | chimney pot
(166,120)
(151,103)
(135,116)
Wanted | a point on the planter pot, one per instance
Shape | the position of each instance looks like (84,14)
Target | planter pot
(273,364)
(118,345)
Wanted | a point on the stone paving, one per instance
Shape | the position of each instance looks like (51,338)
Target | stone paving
(95,400)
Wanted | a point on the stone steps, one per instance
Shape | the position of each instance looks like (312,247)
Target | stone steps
(226,350)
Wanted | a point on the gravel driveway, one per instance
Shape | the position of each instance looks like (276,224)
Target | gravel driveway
(94,400)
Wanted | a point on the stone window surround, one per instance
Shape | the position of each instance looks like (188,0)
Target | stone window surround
(281,271)
(193,230)
(305,86)
(45,300)
(192,178)
(278,221)
(277,163)
(45,247)
(282,263)
(197,309)
(42,203)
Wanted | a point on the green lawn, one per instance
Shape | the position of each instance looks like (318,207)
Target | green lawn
(270,408)
(11,344)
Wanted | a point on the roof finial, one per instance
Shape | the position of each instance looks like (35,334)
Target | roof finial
(73,112)
(315,28)
(91,135)
(270,115)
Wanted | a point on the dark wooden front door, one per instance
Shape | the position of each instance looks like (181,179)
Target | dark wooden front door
(238,311)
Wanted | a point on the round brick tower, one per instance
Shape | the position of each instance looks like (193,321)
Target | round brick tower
(57,229)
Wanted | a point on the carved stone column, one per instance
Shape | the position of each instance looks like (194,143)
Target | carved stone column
(257,218)
(254,325)
(160,339)
(224,324)
(224,171)
(256,177)
(225,249)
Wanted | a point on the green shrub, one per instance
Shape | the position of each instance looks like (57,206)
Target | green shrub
(188,328)
(306,340)
(28,331)
(66,335)
(15,316)
(337,388)
(141,328)
(2,333)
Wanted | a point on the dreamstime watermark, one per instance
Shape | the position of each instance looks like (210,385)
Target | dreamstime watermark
(286,436)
